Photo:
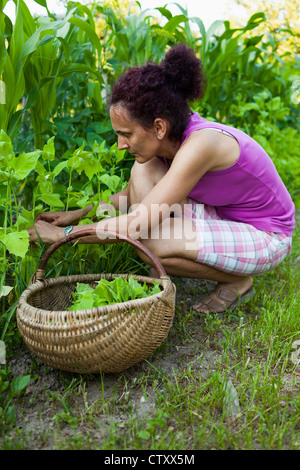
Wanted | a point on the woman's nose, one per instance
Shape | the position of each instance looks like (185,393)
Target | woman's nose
(122,143)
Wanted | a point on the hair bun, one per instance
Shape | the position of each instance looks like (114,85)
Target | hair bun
(183,72)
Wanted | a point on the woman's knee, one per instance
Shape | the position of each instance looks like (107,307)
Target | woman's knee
(143,177)
(152,170)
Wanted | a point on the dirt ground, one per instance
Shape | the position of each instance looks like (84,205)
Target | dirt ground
(35,413)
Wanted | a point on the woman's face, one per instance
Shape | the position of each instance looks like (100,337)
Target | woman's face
(143,144)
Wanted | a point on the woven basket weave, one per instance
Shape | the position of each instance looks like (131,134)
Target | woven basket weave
(111,338)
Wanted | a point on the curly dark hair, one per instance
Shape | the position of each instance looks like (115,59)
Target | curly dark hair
(162,90)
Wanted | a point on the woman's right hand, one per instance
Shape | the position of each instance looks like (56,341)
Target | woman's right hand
(61,219)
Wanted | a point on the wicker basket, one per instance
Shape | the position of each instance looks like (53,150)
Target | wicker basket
(107,339)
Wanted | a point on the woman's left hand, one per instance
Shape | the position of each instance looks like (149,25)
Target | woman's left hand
(47,233)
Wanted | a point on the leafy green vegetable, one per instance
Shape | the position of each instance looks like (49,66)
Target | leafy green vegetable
(110,292)
(17,243)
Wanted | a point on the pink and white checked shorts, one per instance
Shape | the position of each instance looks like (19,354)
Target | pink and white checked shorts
(235,247)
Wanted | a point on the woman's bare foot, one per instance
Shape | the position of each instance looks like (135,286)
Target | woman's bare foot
(226,296)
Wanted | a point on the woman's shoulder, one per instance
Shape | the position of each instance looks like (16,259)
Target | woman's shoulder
(217,148)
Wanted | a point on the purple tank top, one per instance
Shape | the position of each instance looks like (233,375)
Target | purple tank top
(249,191)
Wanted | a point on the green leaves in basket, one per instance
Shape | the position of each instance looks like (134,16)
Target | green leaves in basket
(111,292)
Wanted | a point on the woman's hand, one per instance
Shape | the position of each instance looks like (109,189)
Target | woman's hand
(46,232)
(61,219)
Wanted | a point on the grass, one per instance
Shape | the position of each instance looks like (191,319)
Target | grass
(217,382)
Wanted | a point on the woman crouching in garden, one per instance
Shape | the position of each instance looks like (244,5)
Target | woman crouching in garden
(203,196)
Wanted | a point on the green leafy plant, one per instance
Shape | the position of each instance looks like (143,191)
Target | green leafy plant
(8,391)
(36,56)
(268,120)
(32,182)
(110,292)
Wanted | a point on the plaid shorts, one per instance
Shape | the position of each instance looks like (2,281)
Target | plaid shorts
(235,247)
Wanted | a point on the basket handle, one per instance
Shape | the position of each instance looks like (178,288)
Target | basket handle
(40,272)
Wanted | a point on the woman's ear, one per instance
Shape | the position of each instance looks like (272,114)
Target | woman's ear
(160,128)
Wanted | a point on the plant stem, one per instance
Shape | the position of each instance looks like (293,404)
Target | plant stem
(6,208)
(69,186)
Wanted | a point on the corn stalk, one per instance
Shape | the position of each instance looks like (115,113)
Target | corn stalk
(35,57)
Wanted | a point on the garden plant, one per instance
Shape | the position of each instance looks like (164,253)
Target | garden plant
(216,382)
